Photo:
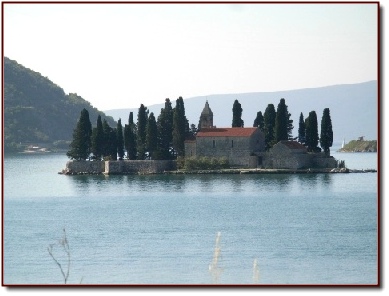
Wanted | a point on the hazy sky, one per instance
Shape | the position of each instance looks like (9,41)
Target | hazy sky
(122,55)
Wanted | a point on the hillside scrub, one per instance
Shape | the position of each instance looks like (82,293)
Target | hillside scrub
(360,146)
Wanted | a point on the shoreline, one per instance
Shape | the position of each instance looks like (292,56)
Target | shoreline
(238,171)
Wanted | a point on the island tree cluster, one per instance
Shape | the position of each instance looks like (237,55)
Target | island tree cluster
(277,126)
(148,138)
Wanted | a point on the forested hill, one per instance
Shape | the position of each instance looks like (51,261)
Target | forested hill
(36,110)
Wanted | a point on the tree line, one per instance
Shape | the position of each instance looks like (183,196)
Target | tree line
(164,137)
(148,138)
(277,126)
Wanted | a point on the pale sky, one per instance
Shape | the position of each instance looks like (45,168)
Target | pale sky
(121,55)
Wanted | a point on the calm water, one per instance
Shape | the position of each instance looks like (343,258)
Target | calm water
(302,229)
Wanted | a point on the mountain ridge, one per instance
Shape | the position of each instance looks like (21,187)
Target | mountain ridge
(339,98)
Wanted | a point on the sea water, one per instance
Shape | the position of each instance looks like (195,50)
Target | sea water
(161,229)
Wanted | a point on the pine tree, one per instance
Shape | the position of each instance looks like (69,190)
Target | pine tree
(301,130)
(80,146)
(311,133)
(119,139)
(237,115)
(141,132)
(259,121)
(326,133)
(269,124)
(98,139)
(151,135)
(180,127)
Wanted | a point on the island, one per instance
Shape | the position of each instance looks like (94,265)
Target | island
(208,149)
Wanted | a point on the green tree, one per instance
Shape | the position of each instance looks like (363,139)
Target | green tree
(119,139)
(141,132)
(165,131)
(110,144)
(98,139)
(326,133)
(311,132)
(80,147)
(237,115)
(129,137)
(259,121)
(301,130)
(151,135)
(281,127)
(269,124)
(180,127)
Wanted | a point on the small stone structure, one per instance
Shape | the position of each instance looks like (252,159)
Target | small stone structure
(118,167)
(293,155)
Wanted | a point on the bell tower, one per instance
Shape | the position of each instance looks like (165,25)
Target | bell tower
(206,117)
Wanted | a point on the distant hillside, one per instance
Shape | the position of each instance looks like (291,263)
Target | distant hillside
(38,111)
(353,107)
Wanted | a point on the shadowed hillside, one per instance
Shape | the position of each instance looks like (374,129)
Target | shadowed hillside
(38,111)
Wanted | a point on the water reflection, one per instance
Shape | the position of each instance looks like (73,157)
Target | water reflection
(130,185)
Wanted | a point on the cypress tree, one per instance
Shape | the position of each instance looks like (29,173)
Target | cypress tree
(269,124)
(237,115)
(119,139)
(311,133)
(110,144)
(165,131)
(129,141)
(301,130)
(180,127)
(80,147)
(98,139)
(281,125)
(259,121)
(326,133)
(141,132)
(151,135)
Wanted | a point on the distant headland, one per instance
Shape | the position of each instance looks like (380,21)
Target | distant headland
(359,145)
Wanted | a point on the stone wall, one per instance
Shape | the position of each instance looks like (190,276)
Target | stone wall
(139,166)
(119,167)
(75,167)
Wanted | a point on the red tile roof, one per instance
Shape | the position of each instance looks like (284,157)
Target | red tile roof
(293,145)
(227,132)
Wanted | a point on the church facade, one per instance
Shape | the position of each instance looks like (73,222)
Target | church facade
(239,145)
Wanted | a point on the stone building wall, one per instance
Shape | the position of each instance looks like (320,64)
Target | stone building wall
(320,160)
(285,160)
(238,150)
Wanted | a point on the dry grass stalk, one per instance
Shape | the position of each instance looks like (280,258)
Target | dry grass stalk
(255,272)
(65,245)
(214,268)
